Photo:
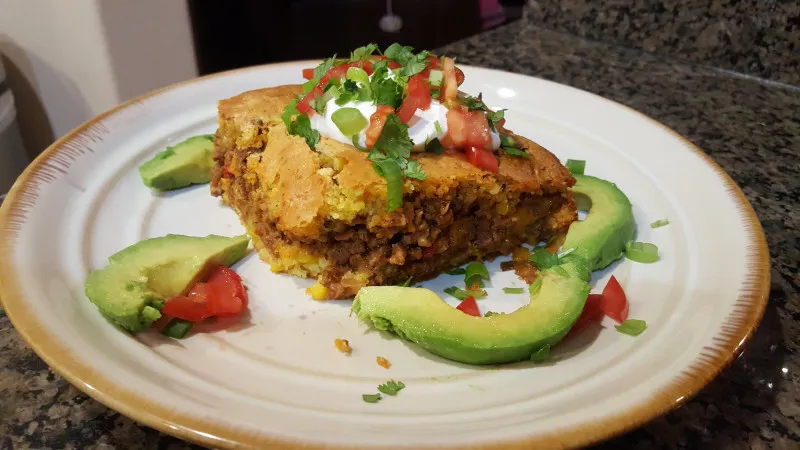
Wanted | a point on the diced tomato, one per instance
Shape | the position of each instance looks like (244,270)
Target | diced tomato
(469,306)
(418,97)
(467,128)
(614,304)
(376,122)
(222,295)
(482,159)
(433,62)
(308,74)
(459,76)
(304,106)
(591,313)
(449,81)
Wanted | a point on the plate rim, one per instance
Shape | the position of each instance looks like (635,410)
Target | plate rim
(729,340)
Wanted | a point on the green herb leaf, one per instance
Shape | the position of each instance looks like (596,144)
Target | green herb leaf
(461,294)
(632,327)
(434,146)
(495,116)
(371,398)
(289,112)
(394,140)
(507,141)
(541,355)
(333,82)
(390,169)
(302,127)
(642,252)
(516,152)
(362,53)
(391,387)
(474,103)
(458,271)
(474,273)
(511,290)
(413,169)
(576,166)
(414,66)
(399,53)
(659,223)
(177,329)
(319,72)
(405,283)
(492,313)
(543,259)
(387,92)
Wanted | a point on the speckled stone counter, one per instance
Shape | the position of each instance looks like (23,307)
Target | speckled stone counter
(750,127)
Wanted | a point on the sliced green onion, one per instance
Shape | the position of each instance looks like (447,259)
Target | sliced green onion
(357,145)
(357,74)
(438,128)
(541,355)
(659,223)
(177,329)
(543,259)
(350,121)
(566,252)
(576,166)
(309,85)
(632,327)
(507,141)
(514,290)
(333,82)
(390,169)
(405,283)
(461,294)
(642,252)
(436,77)
(474,273)
(458,271)
(322,102)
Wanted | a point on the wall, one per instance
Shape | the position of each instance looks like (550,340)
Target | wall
(70,60)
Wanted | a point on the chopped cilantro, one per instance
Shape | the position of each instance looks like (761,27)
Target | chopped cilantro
(632,327)
(458,271)
(492,313)
(289,112)
(435,146)
(495,116)
(414,66)
(394,140)
(348,93)
(387,92)
(391,387)
(331,83)
(364,52)
(371,398)
(390,169)
(399,53)
(516,152)
(474,103)
(541,355)
(543,259)
(319,72)
(435,93)
(302,127)
(510,290)
(461,294)
(413,169)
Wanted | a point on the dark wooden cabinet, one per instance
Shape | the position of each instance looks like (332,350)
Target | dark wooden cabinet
(230,34)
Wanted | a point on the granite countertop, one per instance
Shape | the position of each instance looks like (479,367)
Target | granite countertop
(751,127)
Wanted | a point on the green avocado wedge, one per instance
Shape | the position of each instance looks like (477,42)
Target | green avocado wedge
(133,287)
(186,163)
(420,316)
(557,296)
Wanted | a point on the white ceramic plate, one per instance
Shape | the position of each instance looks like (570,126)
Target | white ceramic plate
(277,378)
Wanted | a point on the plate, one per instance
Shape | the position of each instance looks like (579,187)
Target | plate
(276,378)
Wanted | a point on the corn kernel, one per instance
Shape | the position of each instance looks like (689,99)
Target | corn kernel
(317,292)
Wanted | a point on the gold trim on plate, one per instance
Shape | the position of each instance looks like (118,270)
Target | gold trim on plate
(54,162)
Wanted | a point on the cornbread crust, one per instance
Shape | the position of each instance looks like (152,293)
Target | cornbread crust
(322,214)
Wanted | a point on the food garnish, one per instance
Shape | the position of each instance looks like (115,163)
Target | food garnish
(632,327)
(383,362)
(469,306)
(391,387)
(462,294)
(660,223)
(343,345)
(371,398)
(641,252)
(576,166)
(513,290)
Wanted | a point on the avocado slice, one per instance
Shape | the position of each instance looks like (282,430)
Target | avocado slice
(132,288)
(600,238)
(420,316)
(557,296)
(186,163)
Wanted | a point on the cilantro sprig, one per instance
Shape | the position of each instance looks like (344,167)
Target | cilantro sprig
(391,387)
(389,158)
